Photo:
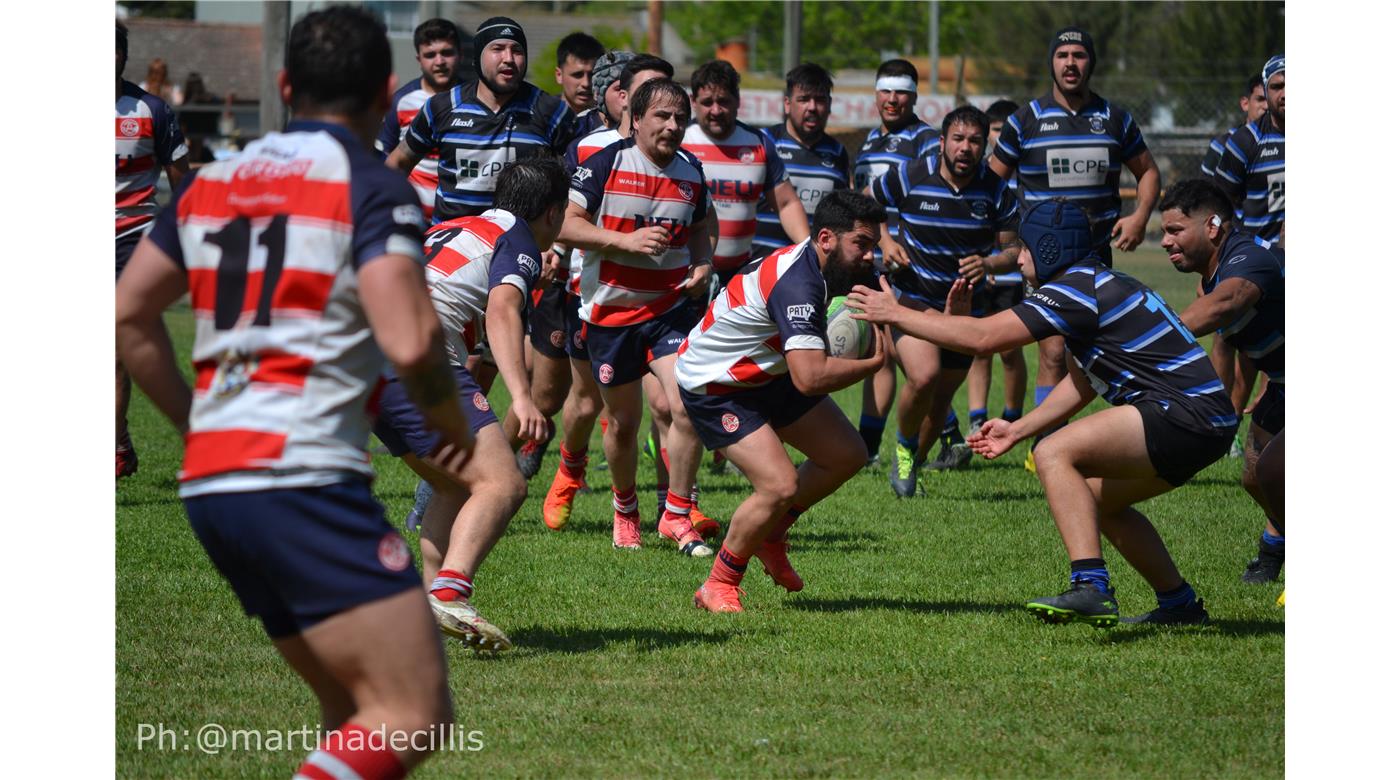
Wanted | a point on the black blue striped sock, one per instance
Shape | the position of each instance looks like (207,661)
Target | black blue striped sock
(1090,570)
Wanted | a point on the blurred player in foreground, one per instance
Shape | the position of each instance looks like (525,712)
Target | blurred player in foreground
(302,257)
(1171,415)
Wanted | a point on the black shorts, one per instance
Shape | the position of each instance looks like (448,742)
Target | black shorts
(1176,452)
(1001,297)
(947,358)
(1268,413)
(723,419)
(548,327)
(622,354)
(295,557)
(575,329)
(402,427)
(125,246)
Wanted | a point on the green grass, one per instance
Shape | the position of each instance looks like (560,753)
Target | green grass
(908,653)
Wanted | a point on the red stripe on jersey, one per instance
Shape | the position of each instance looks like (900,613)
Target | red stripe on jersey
(272,368)
(126,200)
(708,319)
(204,374)
(215,452)
(406,118)
(130,166)
(139,127)
(127,223)
(732,154)
(684,346)
(735,288)
(746,371)
(774,343)
(449,260)
(737,228)
(768,275)
(625,182)
(641,279)
(296,196)
(616,316)
(297,290)
(428,180)
(679,234)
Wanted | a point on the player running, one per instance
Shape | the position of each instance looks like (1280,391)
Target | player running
(639,210)
(1242,300)
(436,47)
(148,141)
(301,259)
(1170,415)
(480,273)
(755,374)
(954,214)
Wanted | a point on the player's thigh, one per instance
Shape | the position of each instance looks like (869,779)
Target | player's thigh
(581,380)
(1115,495)
(918,358)
(624,403)
(664,369)
(385,652)
(1111,443)
(491,466)
(764,461)
(335,698)
(1254,443)
(824,435)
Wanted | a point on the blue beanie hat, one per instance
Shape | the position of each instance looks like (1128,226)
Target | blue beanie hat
(1057,234)
(1274,65)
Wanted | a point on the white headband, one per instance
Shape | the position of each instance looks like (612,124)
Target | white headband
(897,84)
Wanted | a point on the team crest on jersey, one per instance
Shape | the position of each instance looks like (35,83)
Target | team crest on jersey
(480,402)
(1096,125)
(978,208)
(730,421)
(393,552)
(130,128)
(235,372)
(892,145)
(686,191)
(746,155)
(582,174)
(557,338)
(605,373)
(828,161)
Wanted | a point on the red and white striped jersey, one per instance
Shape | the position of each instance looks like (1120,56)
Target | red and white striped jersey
(625,191)
(148,137)
(777,306)
(467,258)
(579,151)
(738,170)
(407,102)
(285,363)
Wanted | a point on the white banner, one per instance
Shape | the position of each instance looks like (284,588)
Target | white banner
(763,107)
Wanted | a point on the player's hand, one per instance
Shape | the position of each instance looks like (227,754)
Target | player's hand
(878,307)
(993,439)
(973,268)
(896,257)
(1128,233)
(959,300)
(879,350)
(552,265)
(697,282)
(651,240)
(533,424)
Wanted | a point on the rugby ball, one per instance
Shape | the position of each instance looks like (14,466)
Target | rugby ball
(846,336)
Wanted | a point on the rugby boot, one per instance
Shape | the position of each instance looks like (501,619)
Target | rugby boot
(627,531)
(952,455)
(1264,568)
(126,460)
(459,619)
(719,597)
(1082,603)
(773,556)
(531,454)
(706,526)
(677,528)
(1184,615)
(904,472)
(559,501)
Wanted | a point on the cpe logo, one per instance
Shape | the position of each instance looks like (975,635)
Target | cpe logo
(1078,167)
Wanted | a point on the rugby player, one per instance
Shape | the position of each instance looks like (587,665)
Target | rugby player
(1072,143)
(755,375)
(816,163)
(1170,415)
(1005,288)
(148,141)
(1253,104)
(954,214)
(436,47)
(742,166)
(301,258)
(1251,167)
(480,272)
(901,137)
(1241,299)
(640,212)
(574,58)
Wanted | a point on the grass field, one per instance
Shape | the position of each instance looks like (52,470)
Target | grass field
(907,654)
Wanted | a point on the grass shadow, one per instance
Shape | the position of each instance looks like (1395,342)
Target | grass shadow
(541,639)
(1233,628)
(842,541)
(922,607)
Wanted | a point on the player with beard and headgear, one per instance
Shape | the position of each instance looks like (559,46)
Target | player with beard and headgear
(755,375)
(1072,143)
(1170,414)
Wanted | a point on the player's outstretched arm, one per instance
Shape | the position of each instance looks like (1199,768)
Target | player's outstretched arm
(1069,396)
(816,373)
(970,335)
(506,332)
(1229,301)
(790,212)
(579,231)
(151,282)
(394,294)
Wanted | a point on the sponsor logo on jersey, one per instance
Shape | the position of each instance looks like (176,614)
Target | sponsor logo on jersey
(528,263)
(1046,127)
(1235,259)
(408,215)
(926,206)
(1096,125)
(800,311)
(1078,167)
(730,422)
(785,155)
(480,402)
(605,373)
(460,123)
(1268,152)
(130,128)
(393,552)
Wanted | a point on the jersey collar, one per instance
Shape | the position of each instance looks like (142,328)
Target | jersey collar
(341,132)
(1094,105)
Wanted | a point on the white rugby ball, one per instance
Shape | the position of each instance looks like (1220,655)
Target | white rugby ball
(846,336)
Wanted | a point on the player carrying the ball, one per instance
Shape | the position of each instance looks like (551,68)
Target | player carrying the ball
(1171,415)
(755,374)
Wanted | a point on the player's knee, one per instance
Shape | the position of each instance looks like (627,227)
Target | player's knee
(919,379)
(623,424)
(779,491)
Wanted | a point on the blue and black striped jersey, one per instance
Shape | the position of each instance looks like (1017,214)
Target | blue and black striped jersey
(474,143)
(1258,333)
(1251,173)
(1130,344)
(814,174)
(882,151)
(1076,156)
